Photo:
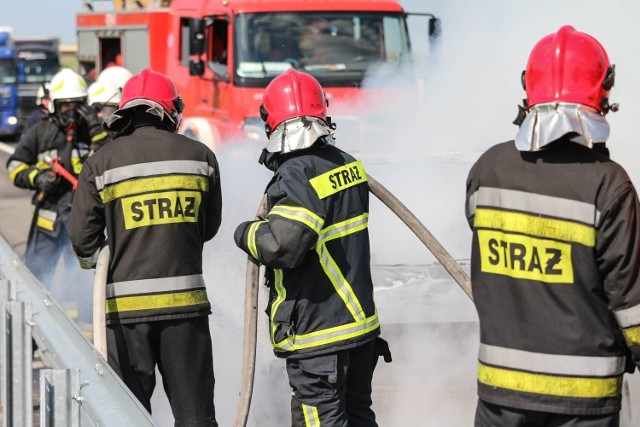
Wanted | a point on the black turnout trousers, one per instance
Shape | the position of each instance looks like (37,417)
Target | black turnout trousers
(182,351)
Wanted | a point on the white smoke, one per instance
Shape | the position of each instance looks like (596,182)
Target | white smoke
(462,102)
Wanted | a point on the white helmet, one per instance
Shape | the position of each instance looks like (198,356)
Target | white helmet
(115,74)
(66,86)
(104,92)
(43,92)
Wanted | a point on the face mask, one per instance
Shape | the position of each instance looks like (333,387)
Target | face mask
(69,116)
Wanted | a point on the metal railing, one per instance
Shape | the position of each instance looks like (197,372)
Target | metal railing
(80,385)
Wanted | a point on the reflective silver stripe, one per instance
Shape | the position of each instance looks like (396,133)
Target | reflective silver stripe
(311,417)
(299,214)
(581,366)
(343,228)
(46,214)
(628,316)
(534,203)
(163,284)
(340,283)
(328,336)
(79,153)
(153,168)
(47,156)
(13,164)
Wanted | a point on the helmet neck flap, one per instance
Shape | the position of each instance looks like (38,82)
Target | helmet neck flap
(549,122)
(299,133)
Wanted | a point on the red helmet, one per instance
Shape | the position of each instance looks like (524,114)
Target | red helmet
(292,94)
(154,89)
(569,66)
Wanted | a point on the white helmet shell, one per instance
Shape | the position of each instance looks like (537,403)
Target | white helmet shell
(116,75)
(104,92)
(66,85)
(43,92)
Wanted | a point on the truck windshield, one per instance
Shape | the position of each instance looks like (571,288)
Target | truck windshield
(8,71)
(39,69)
(338,48)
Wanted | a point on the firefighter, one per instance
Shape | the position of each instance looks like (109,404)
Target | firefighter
(315,245)
(65,135)
(157,194)
(42,102)
(105,93)
(555,259)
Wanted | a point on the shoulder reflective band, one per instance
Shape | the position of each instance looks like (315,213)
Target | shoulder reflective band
(154,184)
(534,225)
(338,179)
(514,200)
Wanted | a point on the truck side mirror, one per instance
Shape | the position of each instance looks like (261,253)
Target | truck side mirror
(196,67)
(196,36)
(434,27)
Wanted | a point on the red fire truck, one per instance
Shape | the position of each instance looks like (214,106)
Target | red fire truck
(222,54)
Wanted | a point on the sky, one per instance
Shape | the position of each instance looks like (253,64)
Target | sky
(469,84)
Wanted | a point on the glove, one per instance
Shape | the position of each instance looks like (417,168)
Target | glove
(93,123)
(47,181)
(382,349)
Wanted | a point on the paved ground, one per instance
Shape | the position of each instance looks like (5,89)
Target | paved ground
(15,207)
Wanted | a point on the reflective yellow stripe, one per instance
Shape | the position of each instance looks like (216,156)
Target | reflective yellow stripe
(338,179)
(158,183)
(340,284)
(344,228)
(300,214)
(76,165)
(632,336)
(311,416)
(160,301)
(281,293)
(330,267)
(45,223)
(99,136)
(251,238)
(549,384)
(534,225)
(329,335)
(20,168)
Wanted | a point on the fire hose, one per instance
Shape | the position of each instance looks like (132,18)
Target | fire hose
(253,279)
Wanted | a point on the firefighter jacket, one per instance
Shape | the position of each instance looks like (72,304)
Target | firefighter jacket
(158,195)
(315,244)
(555,278)
(43,143)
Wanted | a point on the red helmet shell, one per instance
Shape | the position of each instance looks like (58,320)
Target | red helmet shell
(153,86)
(568,66)
(293,94)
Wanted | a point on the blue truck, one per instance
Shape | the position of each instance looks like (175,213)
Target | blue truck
(10,127)
(38,60)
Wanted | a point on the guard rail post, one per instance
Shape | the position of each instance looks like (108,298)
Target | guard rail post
(16,350)
(60,398)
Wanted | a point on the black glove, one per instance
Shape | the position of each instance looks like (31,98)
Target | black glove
(93,122)
(47,181)
(382,349)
